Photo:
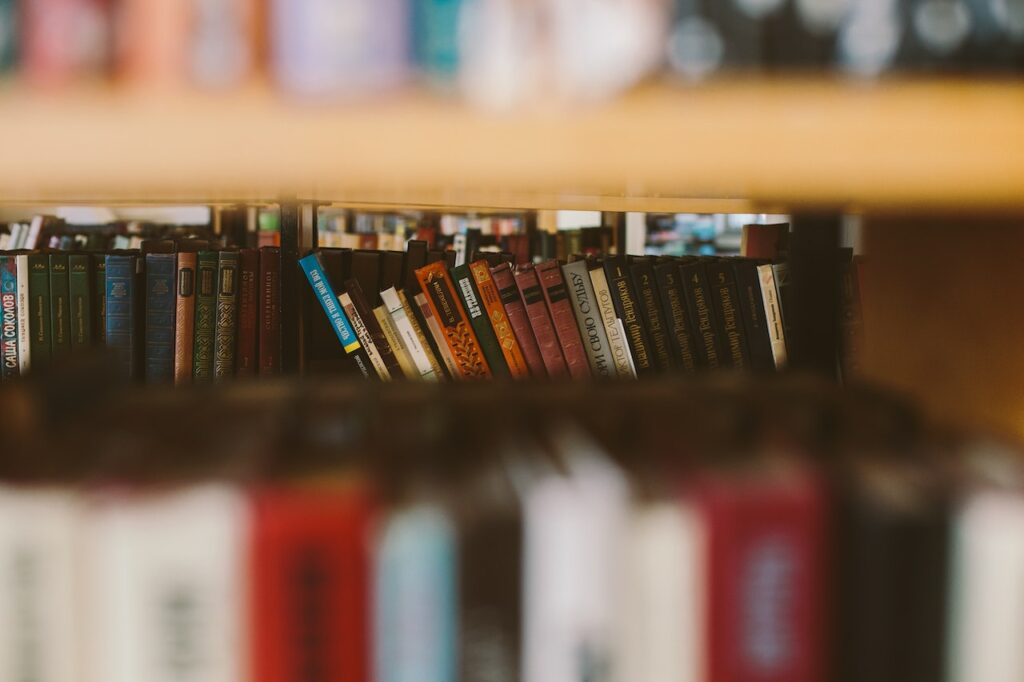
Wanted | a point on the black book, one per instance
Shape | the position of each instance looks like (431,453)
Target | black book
(725,301)
(702,314)
(434,255)
(361,303)
(678,320)
(752,306)
(392,270)
(449,259)
(415,258)
(627,309)
(366,270)
(642,271)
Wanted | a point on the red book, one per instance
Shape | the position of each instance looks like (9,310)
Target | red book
(248,312)
(517,317)
(310,586)
(540,321)
(765,567)
(552,283)
(270,311)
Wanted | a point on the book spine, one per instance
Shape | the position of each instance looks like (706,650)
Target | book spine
(485,336)
(627,309)
(657,330)
(245,351)
(206,316)
(436,332)
(751,300)
(725,300)
(24,315)
(549,275)
(184,318)
(773,314)
(60,312)
(80,280)
(698,296)
(418,353)
(414,315)
(540,321)
(120,317)
(784,294)
(39,304)
(394,339)
(99,326)
(9,317)
(515,310)
(677,317)
(451,318)
(369,320)
(588,319)
(366,340)
(340,323)
(270,311)
(613,328)
(497,317)
(160,305)
(226,323)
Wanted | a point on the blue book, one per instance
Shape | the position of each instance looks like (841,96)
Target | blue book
(325,293)
(415,597)
(436,24)
(160,309)
(121,334)
(9,366)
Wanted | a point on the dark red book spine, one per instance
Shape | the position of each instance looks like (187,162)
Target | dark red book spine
(540,321)
(310,586)
(517,317)
(765,567)
(270,311)
(549,274)
(246,357)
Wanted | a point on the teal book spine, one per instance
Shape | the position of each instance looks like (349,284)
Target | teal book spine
(60,304)
(80,281)
(206,313)
(160,306)
(121,334)
(226,320)
(9,367)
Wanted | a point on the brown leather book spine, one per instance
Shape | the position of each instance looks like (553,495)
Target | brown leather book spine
(270,311)
(517,317)
(458,334)
(185,310)
(540,321)
(549,274)
(496,315)
(380,340)
(248,306)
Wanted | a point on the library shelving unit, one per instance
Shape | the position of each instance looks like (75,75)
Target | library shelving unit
(936,166)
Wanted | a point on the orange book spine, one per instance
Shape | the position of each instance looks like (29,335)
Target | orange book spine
(457,332)
(491,300)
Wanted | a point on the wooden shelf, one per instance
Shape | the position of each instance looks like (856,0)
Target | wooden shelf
(731,146)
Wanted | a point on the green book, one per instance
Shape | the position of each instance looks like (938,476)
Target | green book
(206,311)
(226,332)
(39,307)
(99,301)
(478,319)
(80,281)
(60,304)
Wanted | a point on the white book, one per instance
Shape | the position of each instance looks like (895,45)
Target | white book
(24,315)
(613,327)
(987,609)
(33,232)
(167,580)
(5,241)
(773,314)
(459,246)
(393,304)
(17,229)
(394,339)
(39,586)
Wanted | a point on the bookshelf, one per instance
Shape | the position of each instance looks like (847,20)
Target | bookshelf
(732,146)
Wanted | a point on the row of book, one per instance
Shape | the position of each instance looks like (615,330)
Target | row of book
(422,316)
(178,312)
(830,538)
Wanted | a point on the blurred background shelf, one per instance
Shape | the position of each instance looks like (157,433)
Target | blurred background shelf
(729,146)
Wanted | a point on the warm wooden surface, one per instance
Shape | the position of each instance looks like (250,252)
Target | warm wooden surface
(730,146)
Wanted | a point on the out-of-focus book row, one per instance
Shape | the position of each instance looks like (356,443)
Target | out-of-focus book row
(779,532)
(497,52)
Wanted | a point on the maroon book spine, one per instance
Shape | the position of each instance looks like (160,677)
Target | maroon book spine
(540,321)
(248,313)
(517,317)
(549,274)
(270,311)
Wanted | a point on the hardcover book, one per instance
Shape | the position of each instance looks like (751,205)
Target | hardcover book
(490,299)
(588,319)
(725,303)
(419,353)
(206,316)
(366,340)
(322,354)
(677,316)
(549,275)
(450,317)
(376,334)
(645,286)
(9,318)
(332,308)
(438,335)
(518,318)
(751,301)
(226,318)
(122,335)
(24,315)
(394,339)
(80,281)
(39,307)
(270,311)
(184,317)
(773,314)
(470,298)
(627,309)
(695,283)
(160,308)
(540,321)
(60,304)
(99,309)
(245,352)
(613,328)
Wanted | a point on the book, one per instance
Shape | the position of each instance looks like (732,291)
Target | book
(160,308)
(549,275)
(677,316)
(24,315)
(613,328)
(725,302)
(784,292)
(376,334)
(332,308)
(226,317)
(588,319)
(432,325)
(366,269)
(39,305)
(490,299)
(515,310)
(80,281)
(642,272)
(773,314)
(270,311)
(99,326)
(768,242)
(420,354)
(321,351)
(751,301)
(122,335)
(477,314)
(60,304)
(184,317)
(248,312)
(206,316)
(627,310)
(540,321)
(9,317)
(395,341)
(698,295)
(451,319)
(366,340)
